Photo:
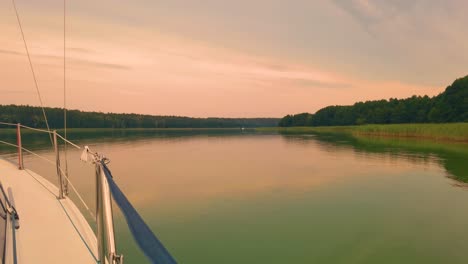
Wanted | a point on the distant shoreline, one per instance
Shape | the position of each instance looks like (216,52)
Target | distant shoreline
(32,116)
(451,132)
(105,129)
(454,132)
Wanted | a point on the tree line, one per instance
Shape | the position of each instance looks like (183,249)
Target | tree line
(449,106)
(32,116)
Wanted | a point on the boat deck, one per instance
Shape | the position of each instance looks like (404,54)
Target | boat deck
(51,230)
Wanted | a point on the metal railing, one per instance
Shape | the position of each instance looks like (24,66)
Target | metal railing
(104,216)
(107,252)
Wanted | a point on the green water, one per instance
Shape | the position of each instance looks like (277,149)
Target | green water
(233,197)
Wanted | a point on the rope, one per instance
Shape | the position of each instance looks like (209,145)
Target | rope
(32,69)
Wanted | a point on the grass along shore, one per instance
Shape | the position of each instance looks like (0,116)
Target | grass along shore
(443,132)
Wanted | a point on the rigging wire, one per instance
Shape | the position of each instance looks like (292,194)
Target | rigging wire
(65,87)
(32,69)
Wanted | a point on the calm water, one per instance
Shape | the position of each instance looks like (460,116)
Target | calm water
(231,197)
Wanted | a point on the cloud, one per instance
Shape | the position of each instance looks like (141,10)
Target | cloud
(415,19)
(373,14)
(14,92)
(75,61)
(80,50)
(11,52)
(295,65)
(317,84)
(72,61)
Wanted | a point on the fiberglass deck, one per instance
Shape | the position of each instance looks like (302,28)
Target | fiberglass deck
(51,230)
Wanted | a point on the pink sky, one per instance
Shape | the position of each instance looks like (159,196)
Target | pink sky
(156,66)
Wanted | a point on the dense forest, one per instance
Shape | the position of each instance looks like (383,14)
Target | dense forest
(32,116)
(449,106)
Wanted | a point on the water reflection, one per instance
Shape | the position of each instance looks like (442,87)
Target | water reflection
(192,165)
(452,156)
(181,166)
(38,141)
(231,197)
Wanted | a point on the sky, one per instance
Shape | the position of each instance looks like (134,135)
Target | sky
(245,58)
